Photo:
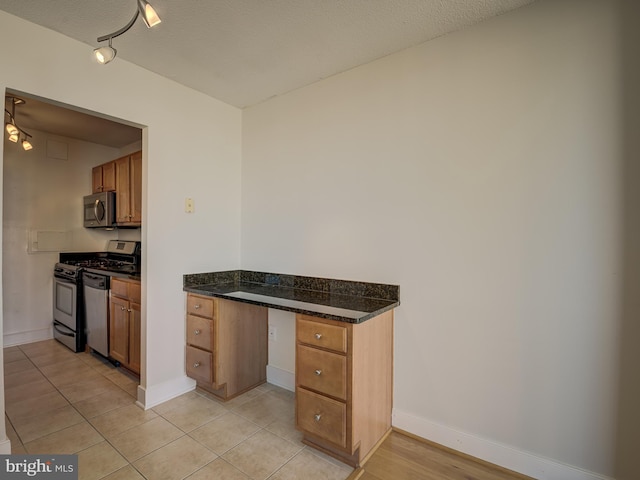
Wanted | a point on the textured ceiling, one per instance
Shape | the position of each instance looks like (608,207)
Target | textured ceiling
(245,51)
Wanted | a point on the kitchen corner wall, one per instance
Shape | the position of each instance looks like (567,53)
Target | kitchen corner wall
(483,172)
(174,243)
(42,215)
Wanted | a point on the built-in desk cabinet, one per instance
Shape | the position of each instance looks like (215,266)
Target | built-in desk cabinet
(344,384)
(226,351)
(124,323)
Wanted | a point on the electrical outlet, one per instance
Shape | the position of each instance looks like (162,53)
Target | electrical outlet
(189,207)
(272,333)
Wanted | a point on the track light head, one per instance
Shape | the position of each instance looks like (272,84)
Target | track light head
(12,129)
(150,18)
(105,54)
(13,137)
(149,15)
(26,144)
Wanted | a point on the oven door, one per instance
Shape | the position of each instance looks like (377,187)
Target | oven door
(65,302)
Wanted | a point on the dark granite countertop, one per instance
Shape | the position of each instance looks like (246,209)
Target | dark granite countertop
(342,300)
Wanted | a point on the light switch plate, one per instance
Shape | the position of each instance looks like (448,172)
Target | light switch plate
(189,205)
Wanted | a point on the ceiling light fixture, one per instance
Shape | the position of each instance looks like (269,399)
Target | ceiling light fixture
(12,127)
(105,54)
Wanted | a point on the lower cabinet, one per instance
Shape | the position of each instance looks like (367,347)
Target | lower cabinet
(124,323)
(344,384)
(226,351)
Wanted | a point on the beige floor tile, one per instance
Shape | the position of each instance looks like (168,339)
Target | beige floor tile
(23,378)
(26,391)
(70,440)
(87,388)
(121,379)
(176,402)
(121,419)
(224,432)
(219,469)
(239,400)
(126,473)
(18,366)
(286,430)
(175,461)
(261,455)
(18,449)
(105,402)
(51,358)
(38,405)
(141,440)
(194,412)
(43,347)
(11,432)
(32,427)
(266,409)
(72,372)
(13,355)
(98,461)
(310,467)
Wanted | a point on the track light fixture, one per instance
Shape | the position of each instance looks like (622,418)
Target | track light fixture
(149,16)
(12,127)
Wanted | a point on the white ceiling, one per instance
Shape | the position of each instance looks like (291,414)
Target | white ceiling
(245,51)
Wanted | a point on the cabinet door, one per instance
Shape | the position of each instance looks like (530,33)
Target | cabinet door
(96,179)
(119,330)
(123,202)
(135,193)
(134,337)
(109,177)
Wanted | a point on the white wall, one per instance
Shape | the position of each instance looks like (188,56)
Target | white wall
(482,172)
(175,243)
(42,215)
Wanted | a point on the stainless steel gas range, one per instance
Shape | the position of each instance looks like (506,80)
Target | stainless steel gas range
(81,293)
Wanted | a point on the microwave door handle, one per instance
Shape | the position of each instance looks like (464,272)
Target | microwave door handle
(100,217)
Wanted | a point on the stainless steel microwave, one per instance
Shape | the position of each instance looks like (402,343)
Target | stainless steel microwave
(100,210)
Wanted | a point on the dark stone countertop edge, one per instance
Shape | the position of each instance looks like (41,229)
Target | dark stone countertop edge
(361,301)
(304,311)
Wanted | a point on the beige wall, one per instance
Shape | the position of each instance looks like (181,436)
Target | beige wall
(483,172)
(208,171)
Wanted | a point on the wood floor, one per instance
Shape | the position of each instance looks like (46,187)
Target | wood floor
(401,457)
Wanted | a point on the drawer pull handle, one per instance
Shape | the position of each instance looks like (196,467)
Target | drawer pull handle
(196,332)
(318,372)
(317,417)
(318,336)
(196,365)
(196,306)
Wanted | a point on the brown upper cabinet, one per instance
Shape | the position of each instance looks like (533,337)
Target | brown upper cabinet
(103,178)
(123,176)
(129,190)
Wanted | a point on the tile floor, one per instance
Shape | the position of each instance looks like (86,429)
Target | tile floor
(60,402)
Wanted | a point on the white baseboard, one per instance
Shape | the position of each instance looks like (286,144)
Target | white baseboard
(5,447)
(20,338)
(281,378)
(489,451)
(150,396)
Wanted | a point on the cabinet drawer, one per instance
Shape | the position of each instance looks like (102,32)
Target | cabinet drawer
(322,416)
(134,292)
(201,306)
(199,332)
(119,288)
(199,365)
(325,372)
(332,337)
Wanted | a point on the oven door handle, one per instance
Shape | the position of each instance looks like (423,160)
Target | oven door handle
(66,334)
